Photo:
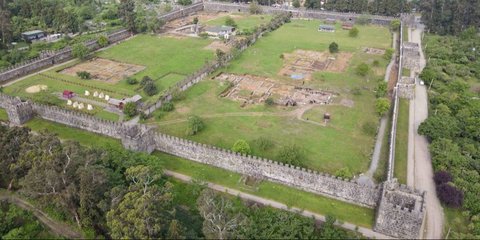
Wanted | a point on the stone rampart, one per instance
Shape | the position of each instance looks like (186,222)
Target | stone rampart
(314,14)
(182,12)
(52,58)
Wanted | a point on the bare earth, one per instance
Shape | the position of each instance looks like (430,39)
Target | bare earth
(104,69)
(36,88)
(420,171)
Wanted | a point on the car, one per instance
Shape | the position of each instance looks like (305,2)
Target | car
(422,83)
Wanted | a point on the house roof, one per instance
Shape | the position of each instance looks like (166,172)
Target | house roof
(135,98)
(218,29)
(33,32)
(328,27)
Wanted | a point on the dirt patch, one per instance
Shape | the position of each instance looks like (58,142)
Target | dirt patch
(104,69)
(374,51)
(250,89)
(36,88)
(183,110)
(203,17)
(301,64)
(218,45)
(347,103)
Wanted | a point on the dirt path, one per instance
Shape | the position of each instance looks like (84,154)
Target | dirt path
(420,171)
(365,231)
(57,228)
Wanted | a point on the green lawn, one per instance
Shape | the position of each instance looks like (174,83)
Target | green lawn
(243,21)
(3,115)
(341,144)
(290,196)
(401,142)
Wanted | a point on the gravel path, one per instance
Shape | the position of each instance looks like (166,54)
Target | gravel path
(365,231)
(420,171)
(57,228)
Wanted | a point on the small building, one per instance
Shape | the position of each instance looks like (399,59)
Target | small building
(220,31)
(68,94)
(34,35)
(120,103)
(326,28)
(326,116)
(347,25)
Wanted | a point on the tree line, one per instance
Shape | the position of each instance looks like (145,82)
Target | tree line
(113,193)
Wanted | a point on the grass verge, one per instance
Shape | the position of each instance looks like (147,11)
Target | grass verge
(401,142)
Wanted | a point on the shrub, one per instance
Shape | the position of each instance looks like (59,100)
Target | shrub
(376,63)
(230,22)
(184,2)
(167,107)
(143,116)
(264,143)
(150,89)
(344,173)
(333,48)
(195,125)
(388,54)
(80,51)
(296,4)
(292,154)
(203,35)
(395,25)
(255,8)
(131,81)
(130,109)
(102,41)
(145,80)
(450,195)
(269,102)
(195,20)
(84,75)
(381,89)
(442,177)
(241,146)
(363,20)
(369,128)
(382,105)
(353,32)
(362,69)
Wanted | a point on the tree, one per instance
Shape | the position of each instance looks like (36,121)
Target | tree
(329,231)
(241,146)
(362,69)
(436,127)
(333,47)
(353,32)
(395,25)
(127,13)
(296,4)
(167,107)
(11,141)
(381,89)
(130,109)
(220,222)
(175,230)
(195,20)
(292,155)
(81,51)
(195,125)
(84,75)
(254,8)
(442,177)
(220,56)
(382,106)
(131,80)
(150,88)
(145,80)
(450,195)
(103,41)
(388,54)
(269,102)
(230,22)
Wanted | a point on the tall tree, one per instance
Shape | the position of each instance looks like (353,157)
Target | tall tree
(127,13)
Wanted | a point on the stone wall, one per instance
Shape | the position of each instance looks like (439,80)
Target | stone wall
(53,57)
(314,14)
(182,12)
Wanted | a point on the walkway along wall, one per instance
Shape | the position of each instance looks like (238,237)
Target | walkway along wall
(53,57)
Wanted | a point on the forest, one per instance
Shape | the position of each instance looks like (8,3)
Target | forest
(453,125)
(114,193)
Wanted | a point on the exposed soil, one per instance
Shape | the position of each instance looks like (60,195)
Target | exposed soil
(36,88)
(104,69)
(218,45)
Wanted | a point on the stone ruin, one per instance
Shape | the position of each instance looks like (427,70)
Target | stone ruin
(406,87)
(401,211)
(253,90)
(411,56)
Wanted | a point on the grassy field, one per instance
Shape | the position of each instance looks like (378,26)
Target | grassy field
(290,196)
(167,61)
(401,142)
(3,115)
(341,144)
(243,21)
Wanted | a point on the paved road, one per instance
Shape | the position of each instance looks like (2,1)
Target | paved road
(57,228)
(365,231)
(420,171)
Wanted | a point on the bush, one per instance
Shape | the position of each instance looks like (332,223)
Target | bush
(241,146)
(264,143)
(376,63)
(395,25)
(296,4)
(255,8)
(131,81)
(203,35)
(388,54)
(195,125)
(84,75)
(145,80)
(184,2)
(102,41)
(292,155)
(195,20)
(442,177)
(80,51)
(130,109)
(344,173)
(230,22)
(143,116)
(362,69)
(167,107)
(369,128)
(381,89)
(333,48)
(150,89)
(269,102)
(450,195)
(353,32)
(382,105)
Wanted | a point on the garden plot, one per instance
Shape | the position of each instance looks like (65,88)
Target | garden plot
(301,64)
(253,90)
(104,69)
